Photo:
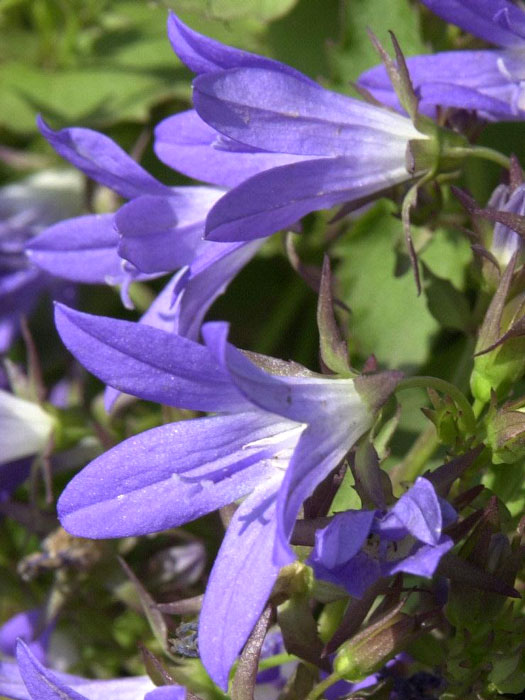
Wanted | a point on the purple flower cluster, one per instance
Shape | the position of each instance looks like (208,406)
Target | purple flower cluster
(271,146)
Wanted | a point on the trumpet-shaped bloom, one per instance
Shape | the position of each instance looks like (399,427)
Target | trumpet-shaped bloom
(280,430)
(301,147)
(157,217)
(489,82)
(33,681)
(158,231)
(360,546)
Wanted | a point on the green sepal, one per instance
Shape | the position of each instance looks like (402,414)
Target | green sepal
(299,630)
(333,348)
(371,482)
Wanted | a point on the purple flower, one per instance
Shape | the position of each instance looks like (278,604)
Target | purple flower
(285,144)
(27,207)
(160,230)
(32,681)
(280,430)
(156,216)
(489,82)
(360,546)
(27,626)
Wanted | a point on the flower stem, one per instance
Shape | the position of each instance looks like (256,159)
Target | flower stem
(416,458)
(480,152)
(446,388)
(318,690)
(276,660)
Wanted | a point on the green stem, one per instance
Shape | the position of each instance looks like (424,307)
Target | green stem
(478,407)
(446,388)
(318,690)
(416,458)
(480,152)
(276,660)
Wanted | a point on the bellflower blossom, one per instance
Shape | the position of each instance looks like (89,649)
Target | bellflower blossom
(280,430)
(27,207)
(489,81)
(32,681)
(360,546)
(158,231)
(298,146)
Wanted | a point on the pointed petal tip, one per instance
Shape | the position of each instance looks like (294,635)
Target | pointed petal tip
(42,124)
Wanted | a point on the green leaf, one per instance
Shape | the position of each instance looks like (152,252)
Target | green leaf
(448,306)
(355,53)
(299,629)
(346,497)
(88,96)
(228,10)
(387,317)
(448,255)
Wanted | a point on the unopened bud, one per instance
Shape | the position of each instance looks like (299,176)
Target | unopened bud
(506,432)
(374,646)
(447,417)
(500,350)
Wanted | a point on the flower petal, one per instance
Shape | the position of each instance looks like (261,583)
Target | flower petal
(187,144)
(44,684)
(319,450)
(497,21)
(167,692)
(304,397)
(165,233)
(355,576)
(83,249)
(423,561)
(419,511)
(278,198)
(240,583)
(202,54)
(207,278)
(277,112)
(461,79)
(342,538)
(102,160)
(26,625)
(170,475)
(147,362)
(162,315)
(41,683)
(450,95)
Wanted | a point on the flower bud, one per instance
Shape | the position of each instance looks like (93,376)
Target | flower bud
(447,417)
(500,350)
(369,650)
(506,432)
